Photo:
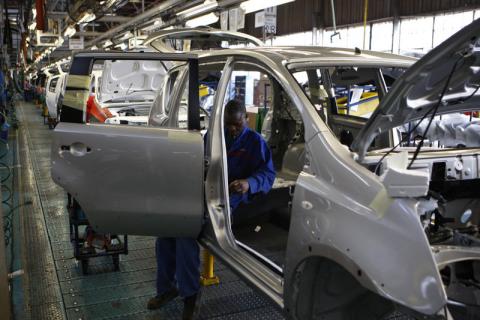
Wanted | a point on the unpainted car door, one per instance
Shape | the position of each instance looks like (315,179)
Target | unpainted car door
(129,179)
(51,97)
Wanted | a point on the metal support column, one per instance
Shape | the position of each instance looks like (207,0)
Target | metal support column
(396,27)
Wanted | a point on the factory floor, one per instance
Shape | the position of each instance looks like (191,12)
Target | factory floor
(53,286)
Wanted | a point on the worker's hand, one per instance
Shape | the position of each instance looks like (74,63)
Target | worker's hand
(239,186)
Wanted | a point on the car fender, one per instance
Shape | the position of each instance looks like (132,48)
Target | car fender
(383,241)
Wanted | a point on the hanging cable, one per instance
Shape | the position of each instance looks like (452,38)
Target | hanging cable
(432,109)
(435,110)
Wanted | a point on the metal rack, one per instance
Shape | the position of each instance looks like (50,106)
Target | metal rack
(114,244)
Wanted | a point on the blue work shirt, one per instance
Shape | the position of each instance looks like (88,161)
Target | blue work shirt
(249,157)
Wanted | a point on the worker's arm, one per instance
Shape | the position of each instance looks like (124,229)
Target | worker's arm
(262,179)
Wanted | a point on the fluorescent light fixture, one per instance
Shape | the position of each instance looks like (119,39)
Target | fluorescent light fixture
(126,36)
(107,44)
(59,42)
(122,46)
(136,42)
(70,31)
(207,5)
(257,5)
(86,17)
(157,23)
(202,21)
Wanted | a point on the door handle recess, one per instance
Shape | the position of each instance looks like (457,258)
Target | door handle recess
(76,149)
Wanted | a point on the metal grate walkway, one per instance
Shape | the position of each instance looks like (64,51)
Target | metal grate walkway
(54,286)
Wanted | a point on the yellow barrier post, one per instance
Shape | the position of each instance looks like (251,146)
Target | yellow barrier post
(44,111)
(208,278)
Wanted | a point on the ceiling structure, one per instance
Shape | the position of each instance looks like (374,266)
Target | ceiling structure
(37,32)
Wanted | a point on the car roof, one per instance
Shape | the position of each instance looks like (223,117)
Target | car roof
(299,56)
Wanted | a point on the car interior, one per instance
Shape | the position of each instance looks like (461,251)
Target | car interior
(261,226)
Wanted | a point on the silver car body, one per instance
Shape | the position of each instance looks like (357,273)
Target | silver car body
(54,89)
(342,213)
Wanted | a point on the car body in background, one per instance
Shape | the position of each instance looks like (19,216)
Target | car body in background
(54,89)
(366,232)
(122,92)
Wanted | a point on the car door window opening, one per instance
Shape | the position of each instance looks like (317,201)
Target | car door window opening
(126,92)
(260,227)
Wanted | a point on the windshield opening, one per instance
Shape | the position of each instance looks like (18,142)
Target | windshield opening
(347,90)
(346,96)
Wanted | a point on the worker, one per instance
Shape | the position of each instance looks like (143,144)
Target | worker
(250,172)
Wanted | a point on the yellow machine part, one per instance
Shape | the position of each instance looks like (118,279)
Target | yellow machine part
(203,90)
(365,106)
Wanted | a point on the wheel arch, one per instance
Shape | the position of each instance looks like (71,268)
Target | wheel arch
(332,286)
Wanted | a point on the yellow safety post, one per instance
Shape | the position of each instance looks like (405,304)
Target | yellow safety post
(208,278)
(45,111)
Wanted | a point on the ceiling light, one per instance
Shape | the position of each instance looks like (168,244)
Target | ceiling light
(122,46)
(207,5)
(107,44)
(256,5)
(136,42)
(59,42)
(94,47)
(126,36)
(152,26)
(70,31)
(202,21)
(86,17)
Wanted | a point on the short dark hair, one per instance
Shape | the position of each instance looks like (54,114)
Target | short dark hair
(234,107)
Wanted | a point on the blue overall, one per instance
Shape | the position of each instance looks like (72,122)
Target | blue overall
(249,157)
(178,260)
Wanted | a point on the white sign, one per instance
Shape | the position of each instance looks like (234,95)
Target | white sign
(259,19)
(75,44)
(271,20)
(267,19)
(224,20)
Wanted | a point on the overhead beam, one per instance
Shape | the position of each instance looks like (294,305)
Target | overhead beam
(168,4)
(152,13)
(62,15)
(88,34)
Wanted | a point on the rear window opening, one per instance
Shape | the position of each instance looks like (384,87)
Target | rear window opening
(346,96)
(261,227)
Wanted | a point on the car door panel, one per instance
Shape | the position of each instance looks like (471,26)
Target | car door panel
(132,180)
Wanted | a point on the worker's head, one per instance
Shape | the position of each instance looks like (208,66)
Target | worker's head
(235,117)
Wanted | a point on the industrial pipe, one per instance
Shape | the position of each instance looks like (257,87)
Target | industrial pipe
(365,16)
(40,6)
(134,21)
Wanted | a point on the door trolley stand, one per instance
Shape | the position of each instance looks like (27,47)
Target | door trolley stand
(89,244)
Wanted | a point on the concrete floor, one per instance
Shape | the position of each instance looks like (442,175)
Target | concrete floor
(54,286)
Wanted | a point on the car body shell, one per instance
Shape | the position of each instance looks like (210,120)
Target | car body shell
(341,211)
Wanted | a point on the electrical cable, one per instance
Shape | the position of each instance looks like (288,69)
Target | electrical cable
(7,201)
(440,98)
(433,108)
(407,135)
